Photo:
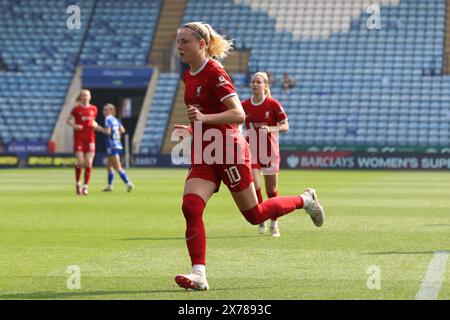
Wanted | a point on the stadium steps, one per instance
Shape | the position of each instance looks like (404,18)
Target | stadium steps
(447,38)
(156,124)
(169,21)
(145,110)
(177,116)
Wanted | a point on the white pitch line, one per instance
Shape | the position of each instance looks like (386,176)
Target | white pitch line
(431,283)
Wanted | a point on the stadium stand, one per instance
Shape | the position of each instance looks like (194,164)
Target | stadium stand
(39,54)
(354,86)
(159,113)
(121,32)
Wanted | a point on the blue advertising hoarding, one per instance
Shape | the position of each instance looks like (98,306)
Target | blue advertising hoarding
(116,77)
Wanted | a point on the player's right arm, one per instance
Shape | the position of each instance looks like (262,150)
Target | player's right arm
(71,122)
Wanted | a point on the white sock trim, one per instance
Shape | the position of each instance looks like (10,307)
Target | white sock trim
(199,268)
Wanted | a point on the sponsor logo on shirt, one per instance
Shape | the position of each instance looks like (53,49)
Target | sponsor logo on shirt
(84,118)
(222,82)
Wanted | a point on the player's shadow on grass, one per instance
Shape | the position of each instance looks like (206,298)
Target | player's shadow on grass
(181,238)
(401,252)
(87,294)
(437,225)
(69,295)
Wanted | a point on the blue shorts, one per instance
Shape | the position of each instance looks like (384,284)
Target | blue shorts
(113,152)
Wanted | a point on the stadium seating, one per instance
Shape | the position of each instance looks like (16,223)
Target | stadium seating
(40,53)
(354,86)
(159,113)
(121,32)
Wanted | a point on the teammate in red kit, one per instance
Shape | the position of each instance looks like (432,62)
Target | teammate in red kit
(213,106)
(264,113)
(82,119)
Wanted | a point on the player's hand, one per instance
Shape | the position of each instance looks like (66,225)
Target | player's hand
(194,114)
(94,124)
(181,129)
(78,127)
(265,128)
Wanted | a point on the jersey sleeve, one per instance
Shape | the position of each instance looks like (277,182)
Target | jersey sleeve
(280,114)
(108,122)
(72,113)
(221,84)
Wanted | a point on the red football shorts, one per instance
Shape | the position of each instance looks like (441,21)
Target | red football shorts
(268,169)
(237,177)
(84,146)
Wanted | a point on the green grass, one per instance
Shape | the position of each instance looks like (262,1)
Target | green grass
(130,246)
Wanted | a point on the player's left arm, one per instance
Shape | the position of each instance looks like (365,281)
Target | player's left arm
(122,129)
(280,117)
(234,115)
(283,126)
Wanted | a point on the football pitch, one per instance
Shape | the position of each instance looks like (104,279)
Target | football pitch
(381,234)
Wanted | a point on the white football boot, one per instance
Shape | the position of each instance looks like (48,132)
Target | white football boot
(275,232)
(313,207)
(130,187)
(262,228)
(194,281)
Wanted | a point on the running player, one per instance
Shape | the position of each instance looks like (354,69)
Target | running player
(113,130)
(82,119)
(213,106)
(265,113)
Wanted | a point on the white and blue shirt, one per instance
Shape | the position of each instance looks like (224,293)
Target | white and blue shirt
(113,140)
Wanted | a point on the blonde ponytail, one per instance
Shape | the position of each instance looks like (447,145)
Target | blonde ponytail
(217,47)
(265,78)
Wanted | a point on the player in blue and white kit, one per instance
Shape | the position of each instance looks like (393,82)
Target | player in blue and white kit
(113,130)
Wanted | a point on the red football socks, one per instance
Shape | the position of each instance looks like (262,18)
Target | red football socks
(193,206)
(87,175)
(272,195)
(78,173)
(272,209)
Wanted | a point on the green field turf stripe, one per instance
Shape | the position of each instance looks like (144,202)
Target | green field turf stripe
(431,284)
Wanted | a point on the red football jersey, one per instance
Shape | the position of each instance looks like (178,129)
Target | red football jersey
(84,116)
(206,89)
(270,113)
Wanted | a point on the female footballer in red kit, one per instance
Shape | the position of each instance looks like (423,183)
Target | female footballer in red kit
(265,118)
(82,119)
(213,105)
